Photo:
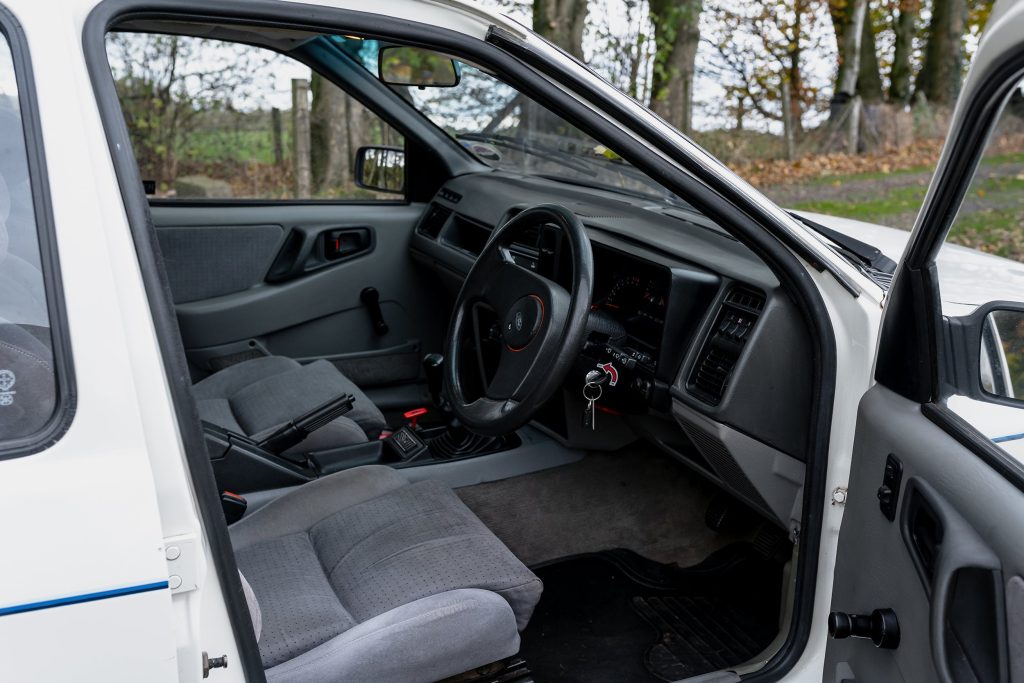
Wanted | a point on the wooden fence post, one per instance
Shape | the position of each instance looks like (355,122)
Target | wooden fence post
(300,138)
(275,133)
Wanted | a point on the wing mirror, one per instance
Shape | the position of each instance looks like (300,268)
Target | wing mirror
(988,346)
(381,169)
(403,65)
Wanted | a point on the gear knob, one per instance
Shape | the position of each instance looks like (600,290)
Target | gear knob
(433,368)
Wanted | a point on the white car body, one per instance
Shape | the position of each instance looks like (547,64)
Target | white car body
(108,504)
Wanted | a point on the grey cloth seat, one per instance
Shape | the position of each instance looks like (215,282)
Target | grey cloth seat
(257,396)
(362,576)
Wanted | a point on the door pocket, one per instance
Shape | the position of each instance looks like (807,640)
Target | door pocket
(963,579)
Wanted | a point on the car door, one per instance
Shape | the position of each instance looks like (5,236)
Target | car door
(931,550)
(272,244)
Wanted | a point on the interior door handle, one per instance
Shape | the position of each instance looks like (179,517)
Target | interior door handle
(962,576)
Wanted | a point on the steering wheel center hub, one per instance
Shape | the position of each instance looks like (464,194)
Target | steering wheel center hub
(523,322)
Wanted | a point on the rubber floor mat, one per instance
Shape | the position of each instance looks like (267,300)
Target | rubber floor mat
(614,617)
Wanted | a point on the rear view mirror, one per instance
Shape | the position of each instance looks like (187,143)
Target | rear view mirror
(381,168)
(1002,354)
(987,353)
(402,65)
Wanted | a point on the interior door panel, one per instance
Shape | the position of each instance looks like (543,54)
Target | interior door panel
(288,279)
(949,564)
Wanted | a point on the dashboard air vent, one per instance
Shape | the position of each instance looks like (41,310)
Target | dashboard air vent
(733,324)
(433,221)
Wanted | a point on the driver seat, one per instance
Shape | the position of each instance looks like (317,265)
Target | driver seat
(256,396)
(364,576)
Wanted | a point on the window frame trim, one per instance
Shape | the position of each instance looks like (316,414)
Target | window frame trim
(65,391)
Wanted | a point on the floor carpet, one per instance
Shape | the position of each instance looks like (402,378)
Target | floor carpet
(617,617)
(639,499)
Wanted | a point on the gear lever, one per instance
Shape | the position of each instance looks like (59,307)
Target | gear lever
(433,368)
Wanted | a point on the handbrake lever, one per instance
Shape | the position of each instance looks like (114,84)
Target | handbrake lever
(296,431)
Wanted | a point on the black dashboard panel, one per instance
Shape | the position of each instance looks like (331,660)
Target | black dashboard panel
(664,278)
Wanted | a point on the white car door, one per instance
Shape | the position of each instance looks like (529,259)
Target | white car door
(931,550)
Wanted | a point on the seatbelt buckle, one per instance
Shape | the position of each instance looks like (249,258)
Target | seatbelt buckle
(234,506)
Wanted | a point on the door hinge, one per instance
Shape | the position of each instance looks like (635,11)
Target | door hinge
(839,495)
(180,552)
(213,663)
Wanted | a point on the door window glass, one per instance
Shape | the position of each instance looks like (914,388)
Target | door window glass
(981,263)
(216,120)
(28,387)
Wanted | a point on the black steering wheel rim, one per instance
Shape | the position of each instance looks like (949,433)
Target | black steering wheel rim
(542,324)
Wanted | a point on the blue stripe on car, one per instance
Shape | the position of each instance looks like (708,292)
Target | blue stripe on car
(84,597)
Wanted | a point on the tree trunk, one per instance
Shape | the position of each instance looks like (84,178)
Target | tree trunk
(358,133)
(676,37)
(939,79)
(869,74)
(903,49)
(562,22)
(329,146)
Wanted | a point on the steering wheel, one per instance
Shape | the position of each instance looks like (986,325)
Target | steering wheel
(542,325)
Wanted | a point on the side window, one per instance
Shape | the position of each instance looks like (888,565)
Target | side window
(981,282)
(218,120)
(28,384)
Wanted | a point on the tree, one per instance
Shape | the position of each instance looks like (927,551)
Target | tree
(868,81)
(623,51)
(562,22)
(942,67)
(903,50)
(676,38)
(171,86)
(761,50)
(329,148)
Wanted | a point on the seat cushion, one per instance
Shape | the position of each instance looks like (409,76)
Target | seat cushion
(257,396)
(423,641)
(348,550)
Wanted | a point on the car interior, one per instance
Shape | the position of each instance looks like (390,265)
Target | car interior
(531,415)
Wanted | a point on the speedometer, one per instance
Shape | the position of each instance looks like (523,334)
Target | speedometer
(636,296)
(625,295)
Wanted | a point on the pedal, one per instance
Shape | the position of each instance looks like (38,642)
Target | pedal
(773,543)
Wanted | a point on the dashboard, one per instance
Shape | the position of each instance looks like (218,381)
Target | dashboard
(709,354)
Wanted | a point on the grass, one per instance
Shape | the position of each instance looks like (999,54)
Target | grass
(991,219)
(206,146)
(896,201)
